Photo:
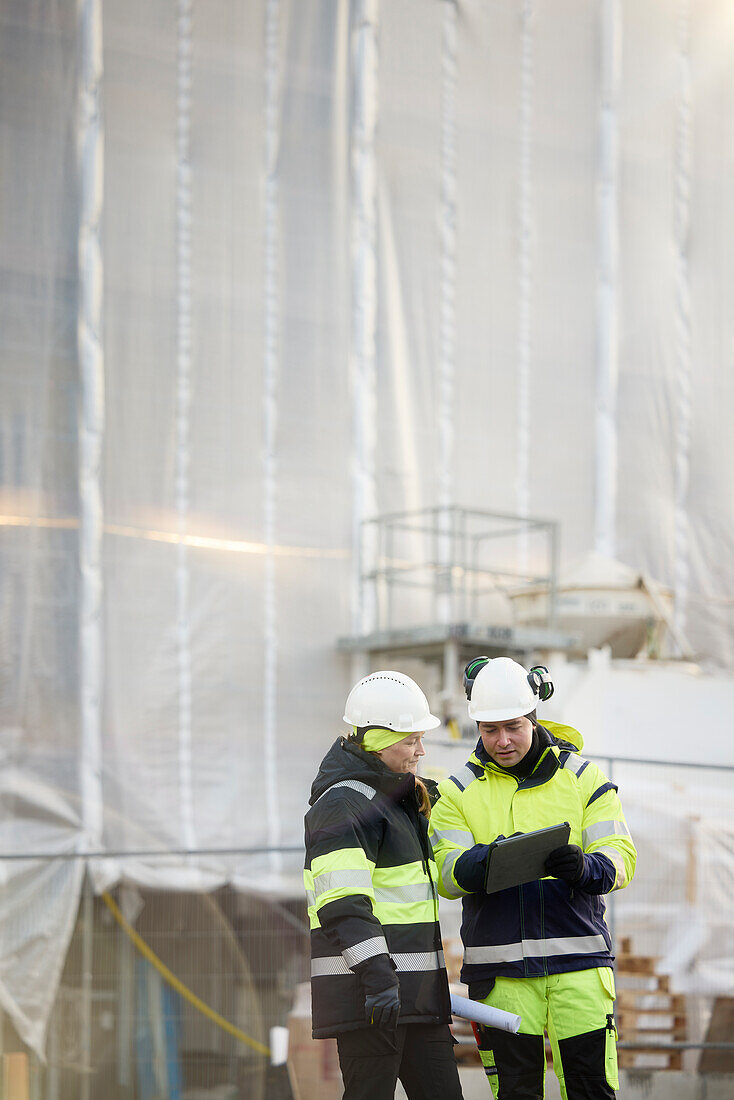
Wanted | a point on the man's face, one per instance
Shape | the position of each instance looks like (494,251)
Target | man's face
(507,742)
(405,755)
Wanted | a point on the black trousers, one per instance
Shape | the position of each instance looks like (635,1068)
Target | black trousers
(421,1055)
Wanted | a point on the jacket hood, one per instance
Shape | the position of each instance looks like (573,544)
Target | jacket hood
(564,736)
(345,760)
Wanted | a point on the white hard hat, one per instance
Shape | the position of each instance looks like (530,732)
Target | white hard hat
(389,700)
(501,690)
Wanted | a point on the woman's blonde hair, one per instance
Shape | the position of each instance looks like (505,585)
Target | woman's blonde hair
(424,802)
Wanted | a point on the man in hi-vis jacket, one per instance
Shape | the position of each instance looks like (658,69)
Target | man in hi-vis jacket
(541,950)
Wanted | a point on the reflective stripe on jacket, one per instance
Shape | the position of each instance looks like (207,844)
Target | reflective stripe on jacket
(542,927)
(371,885)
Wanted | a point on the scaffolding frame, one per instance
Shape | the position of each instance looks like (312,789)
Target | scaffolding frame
(424,574)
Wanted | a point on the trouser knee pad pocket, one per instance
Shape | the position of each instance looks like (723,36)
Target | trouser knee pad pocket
(514,1064)
(589,1064)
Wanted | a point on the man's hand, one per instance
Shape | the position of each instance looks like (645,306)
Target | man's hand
(383,1009)
(566,863)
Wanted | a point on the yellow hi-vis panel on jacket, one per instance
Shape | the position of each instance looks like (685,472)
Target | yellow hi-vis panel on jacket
(492,804)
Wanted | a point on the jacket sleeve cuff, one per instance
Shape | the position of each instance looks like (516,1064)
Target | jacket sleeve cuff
(376,973)
(470,869)
(599,874)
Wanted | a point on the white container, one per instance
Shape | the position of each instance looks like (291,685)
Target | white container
(604,603)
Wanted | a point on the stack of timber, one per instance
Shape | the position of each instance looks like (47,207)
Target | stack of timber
(647,1012)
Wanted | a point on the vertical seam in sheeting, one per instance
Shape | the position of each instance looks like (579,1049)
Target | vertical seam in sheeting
(90,154)
(183,413)
(270,413)
(608,244)
(364,304)
(681,565)
(524,277)
(447,336)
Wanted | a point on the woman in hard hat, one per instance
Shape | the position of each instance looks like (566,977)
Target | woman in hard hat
(378,979)
(541,949)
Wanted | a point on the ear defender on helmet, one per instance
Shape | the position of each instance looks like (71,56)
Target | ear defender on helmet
(470,673)
(540,682)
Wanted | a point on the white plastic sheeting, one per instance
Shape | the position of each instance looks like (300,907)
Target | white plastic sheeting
(90,162)
(525,269)
(607,319)
(447,332)
(364,292)
(183,408)
(271,374)
(682,222)
(345,257)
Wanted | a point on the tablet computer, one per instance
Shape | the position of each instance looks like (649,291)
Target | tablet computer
(520,859)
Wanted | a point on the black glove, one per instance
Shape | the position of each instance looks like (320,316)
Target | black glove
(566,863)
(382,1009)
(381,991)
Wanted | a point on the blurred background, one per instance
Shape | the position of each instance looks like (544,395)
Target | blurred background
(338,335)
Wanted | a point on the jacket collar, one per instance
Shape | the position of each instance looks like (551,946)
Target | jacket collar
(546,766)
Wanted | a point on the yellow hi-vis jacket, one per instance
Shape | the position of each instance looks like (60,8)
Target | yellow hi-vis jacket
(546,926)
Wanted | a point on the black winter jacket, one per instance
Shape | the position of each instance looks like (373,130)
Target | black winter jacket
(371,880)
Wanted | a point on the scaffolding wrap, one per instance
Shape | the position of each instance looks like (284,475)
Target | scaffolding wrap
(364,287)
(183,409)
(607,302)
(525,289)
(270,415)
(447,350)
(681,237)
(294,296)
(90,152)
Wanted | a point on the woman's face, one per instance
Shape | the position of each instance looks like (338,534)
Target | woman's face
(404,756)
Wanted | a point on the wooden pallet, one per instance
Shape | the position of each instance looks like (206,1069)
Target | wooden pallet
(647,1011)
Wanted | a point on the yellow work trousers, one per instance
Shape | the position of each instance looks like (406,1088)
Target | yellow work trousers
(576,1010)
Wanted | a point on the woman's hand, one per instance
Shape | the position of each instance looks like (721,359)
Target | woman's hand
(383,1009)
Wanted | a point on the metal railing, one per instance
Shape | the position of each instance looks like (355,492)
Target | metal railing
(448,559)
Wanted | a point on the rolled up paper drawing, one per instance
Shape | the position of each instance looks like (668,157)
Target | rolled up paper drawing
(484,1014)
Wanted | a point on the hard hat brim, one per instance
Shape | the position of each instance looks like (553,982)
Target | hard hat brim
(430,723)
(504,714)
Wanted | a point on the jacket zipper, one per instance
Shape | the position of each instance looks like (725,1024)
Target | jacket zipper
(542,925)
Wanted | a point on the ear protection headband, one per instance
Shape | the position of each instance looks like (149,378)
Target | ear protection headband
(538,678)
(470,673)
(541,683)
